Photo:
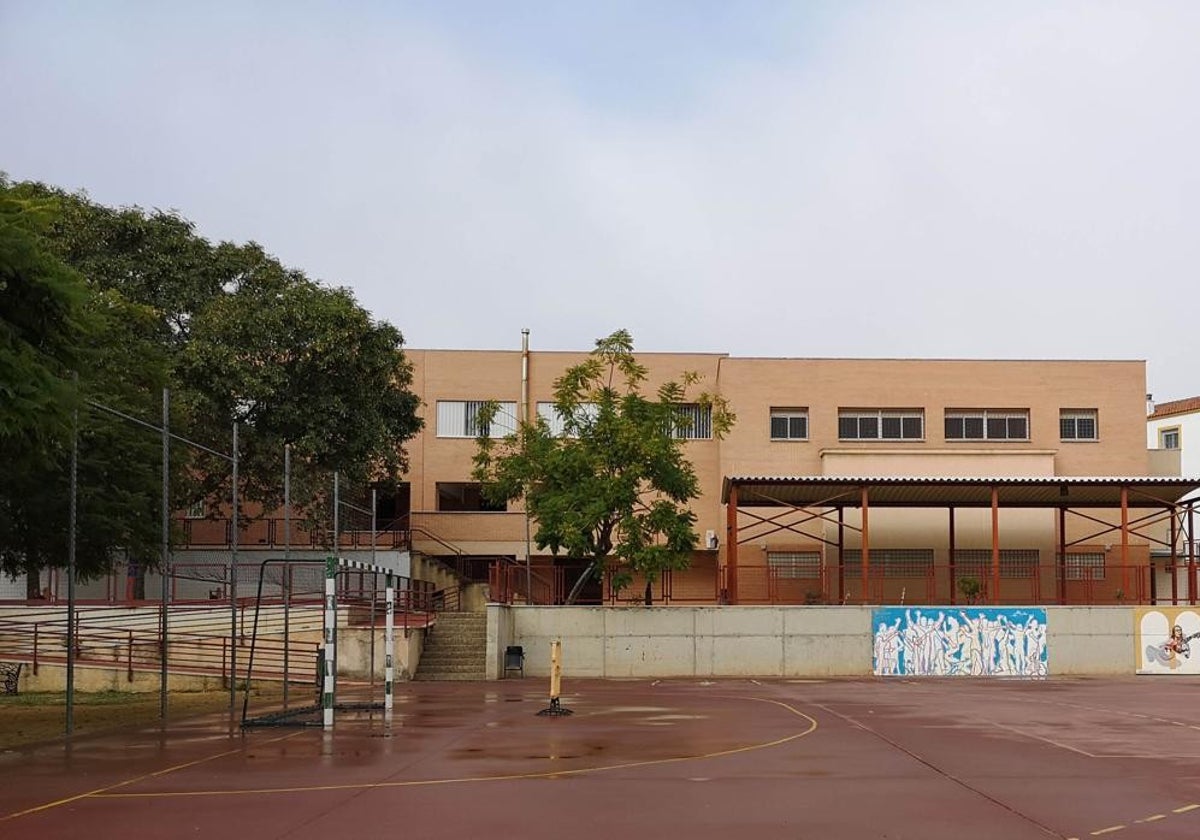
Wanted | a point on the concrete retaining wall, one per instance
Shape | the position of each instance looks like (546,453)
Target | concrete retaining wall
(804,641)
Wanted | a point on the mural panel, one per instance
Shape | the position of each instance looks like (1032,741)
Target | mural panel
(1164,639)
(953,641)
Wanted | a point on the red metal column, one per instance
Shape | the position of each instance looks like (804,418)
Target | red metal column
(951,556)
(866,546)
(1191,554)
(1174,560)
(1062,555)
(1125,541)
(841,554)
(731,544)
(995,546)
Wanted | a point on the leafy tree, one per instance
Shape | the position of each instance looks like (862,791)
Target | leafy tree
(616,483)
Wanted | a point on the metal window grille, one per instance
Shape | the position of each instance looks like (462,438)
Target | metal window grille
(1169,439)
(1077,425)
(557,424)
(1085,566)
(795,565)
(789,425)
(895,562)
(989,424)
(1014,562)
(460,419)
(877,424)
(693,421)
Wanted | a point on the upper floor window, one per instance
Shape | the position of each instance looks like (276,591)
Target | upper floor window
(197,510)
(557,423)
(693,421)
(987,424)
(1077,424)
(1168,438)
(789,424)
(460,419)
(879,424)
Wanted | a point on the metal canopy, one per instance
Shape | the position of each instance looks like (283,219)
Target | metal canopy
(934,491)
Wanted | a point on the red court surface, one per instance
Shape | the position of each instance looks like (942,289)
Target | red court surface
(861,758)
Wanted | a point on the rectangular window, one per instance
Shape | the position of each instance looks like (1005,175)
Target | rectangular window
(895,562)
(1077,424)
(197,510)
(464,496)
(1014,562)
(794,565)
(789,424)
(1085,566)
(548,412)
(879,424)
(1168,438)
(693,421)
(460,419)
(987,424)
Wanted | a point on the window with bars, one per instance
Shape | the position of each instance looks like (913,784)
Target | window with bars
(881,424)
(693,421)
(1077,424)
(460,419)
(895,562)
(1014,562)
(794,565)
(1168,438)
(789,424)
(987,424)
(1084,566)
(197,510)
(557,423)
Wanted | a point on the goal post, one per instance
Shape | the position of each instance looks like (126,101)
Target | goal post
(322,713)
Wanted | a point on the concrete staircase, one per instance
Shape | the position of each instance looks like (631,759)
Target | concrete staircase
(455,648)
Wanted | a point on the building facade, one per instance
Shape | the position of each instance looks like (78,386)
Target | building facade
(861,419)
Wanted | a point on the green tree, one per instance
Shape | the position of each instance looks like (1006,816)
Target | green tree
(615,485)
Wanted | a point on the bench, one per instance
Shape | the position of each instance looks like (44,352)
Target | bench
(10,675)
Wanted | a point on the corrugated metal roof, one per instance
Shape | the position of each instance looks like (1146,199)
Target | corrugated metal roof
(943,491)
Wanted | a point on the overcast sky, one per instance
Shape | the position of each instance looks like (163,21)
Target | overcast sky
(1007,180)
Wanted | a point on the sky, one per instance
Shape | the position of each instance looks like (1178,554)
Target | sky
(841,179)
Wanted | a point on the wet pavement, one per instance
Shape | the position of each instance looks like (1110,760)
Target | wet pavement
(929,759)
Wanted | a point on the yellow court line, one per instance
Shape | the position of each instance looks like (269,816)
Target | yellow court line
(547,774)
(101,791)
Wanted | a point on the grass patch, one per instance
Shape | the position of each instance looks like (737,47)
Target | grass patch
(38,716)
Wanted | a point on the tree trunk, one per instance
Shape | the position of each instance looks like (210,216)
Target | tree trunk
(33,582)
(583,578)
(649,594)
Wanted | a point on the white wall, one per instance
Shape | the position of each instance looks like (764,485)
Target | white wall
(804,641)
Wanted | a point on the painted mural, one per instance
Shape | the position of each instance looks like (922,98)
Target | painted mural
(953,641)
(1167,640)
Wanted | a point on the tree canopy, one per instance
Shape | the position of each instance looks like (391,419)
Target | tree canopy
(104,305)
(614,483)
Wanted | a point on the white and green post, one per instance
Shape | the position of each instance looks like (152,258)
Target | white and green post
(329,676)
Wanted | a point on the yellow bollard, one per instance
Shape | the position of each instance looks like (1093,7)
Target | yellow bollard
(555,709)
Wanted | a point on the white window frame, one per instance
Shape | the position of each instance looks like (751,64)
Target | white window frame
(700,425)
(788,414)
(1073,416)
(459,419)
(879,415)
(986,415)
(548,412)
(1165,433)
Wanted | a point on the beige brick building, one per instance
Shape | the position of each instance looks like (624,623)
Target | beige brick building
(1046,423)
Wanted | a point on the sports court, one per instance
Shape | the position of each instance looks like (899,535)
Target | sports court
(931,758)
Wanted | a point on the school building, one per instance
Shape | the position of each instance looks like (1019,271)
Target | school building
(845,481)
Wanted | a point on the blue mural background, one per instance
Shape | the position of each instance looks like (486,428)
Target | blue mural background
(959,641)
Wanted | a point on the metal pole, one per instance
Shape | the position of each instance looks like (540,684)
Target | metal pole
(165,563)
(389,647)
(287,566)
(328,685)
(336,511)
(233,575)
(525,420)
(71,536)
(374,595)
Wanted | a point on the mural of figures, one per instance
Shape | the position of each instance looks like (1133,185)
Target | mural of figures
(1167,640)
(969,642)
